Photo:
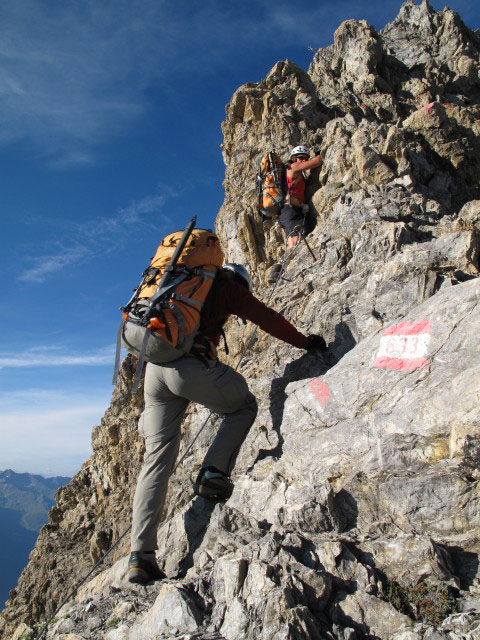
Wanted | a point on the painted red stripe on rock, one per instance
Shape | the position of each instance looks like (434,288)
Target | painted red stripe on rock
(409,328)
(320,390)
(429,108)
(401,364)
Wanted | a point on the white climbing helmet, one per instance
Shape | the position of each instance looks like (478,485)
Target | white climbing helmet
(240,273)
(299,151)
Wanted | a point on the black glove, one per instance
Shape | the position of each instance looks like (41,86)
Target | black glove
(316,342)
(316,152)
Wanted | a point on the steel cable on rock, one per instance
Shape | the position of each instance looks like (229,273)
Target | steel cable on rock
(188,449)
(251,338)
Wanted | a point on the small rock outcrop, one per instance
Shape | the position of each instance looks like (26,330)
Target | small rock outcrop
(356,509)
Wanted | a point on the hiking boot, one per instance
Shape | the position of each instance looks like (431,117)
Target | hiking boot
(274,273)
(143,567)
(213,483)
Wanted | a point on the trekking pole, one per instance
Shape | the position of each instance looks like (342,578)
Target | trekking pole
(172,262)
(308,246)
(302,233)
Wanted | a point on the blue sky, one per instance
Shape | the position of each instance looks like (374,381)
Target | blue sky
(110,138)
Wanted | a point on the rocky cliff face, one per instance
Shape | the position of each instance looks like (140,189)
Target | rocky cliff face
(356,507)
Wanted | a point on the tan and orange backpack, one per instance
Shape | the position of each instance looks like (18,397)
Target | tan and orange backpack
(272,187)
(271,184)
(161,319)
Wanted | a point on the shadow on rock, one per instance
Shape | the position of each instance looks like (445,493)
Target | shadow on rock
(345,620)
(196,520)
(344,341)
(465,566)
(347,504)
(310,365)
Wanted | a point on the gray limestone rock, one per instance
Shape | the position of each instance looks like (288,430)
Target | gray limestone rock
(172,611)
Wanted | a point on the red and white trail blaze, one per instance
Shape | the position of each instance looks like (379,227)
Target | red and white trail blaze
(404,346)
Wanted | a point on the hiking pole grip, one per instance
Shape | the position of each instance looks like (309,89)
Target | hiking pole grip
(179,248)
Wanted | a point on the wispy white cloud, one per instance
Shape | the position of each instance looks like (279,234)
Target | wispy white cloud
(53,356)
(46,265)
(132,214)
(101,235)
(48,441)
(48,431)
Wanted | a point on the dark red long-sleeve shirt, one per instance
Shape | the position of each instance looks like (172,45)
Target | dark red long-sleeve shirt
(228,297)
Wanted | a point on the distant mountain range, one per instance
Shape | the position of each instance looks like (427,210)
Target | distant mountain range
(25,501)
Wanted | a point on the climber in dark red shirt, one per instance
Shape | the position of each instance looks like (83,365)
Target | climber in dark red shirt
(230,297)
(199,377)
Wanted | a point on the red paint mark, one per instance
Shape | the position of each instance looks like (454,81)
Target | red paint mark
(320,390)
(429,108)
(401,364)
(403,346)
(409,328)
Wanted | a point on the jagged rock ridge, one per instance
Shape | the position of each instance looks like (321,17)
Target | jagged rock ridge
(355,512)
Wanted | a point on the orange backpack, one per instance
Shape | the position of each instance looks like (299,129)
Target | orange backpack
(271,184)
(161,319)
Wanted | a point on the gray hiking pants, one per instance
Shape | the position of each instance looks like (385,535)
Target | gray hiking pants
(168,390)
